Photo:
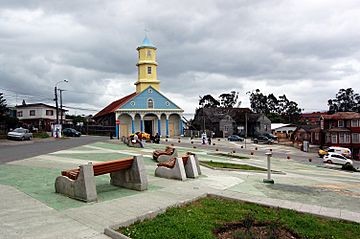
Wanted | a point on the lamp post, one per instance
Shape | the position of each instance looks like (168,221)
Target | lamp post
(56,99)
(268,179)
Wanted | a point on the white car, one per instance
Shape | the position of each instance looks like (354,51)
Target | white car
(334,158)
(20,134)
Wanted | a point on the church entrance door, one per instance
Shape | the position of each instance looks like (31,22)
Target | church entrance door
(148,126)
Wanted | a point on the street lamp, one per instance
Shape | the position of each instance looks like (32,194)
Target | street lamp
(56,100)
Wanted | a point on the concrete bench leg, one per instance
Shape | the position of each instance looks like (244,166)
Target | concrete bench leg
(190,168)
(177,172)
(83,188)
(197,163)
(133,178)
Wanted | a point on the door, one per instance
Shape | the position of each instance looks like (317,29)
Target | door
(148,126)
(124,130)
(171,130)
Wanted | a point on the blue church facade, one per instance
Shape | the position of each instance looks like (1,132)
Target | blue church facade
(147,109)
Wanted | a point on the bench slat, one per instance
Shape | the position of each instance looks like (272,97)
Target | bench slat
(102,168)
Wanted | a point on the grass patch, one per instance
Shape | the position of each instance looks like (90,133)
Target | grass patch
(199,219)
(231,165)
(229,155)
(41,135)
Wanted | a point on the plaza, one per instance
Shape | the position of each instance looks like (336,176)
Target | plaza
(30,207)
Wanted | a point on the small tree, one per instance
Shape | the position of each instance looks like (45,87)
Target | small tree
(345,100)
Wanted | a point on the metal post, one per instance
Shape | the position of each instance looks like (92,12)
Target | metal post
(61,111)
(57,106)
(268,180)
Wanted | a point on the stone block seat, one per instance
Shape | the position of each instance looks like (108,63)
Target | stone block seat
(179,168)
(165,155)
(79,183)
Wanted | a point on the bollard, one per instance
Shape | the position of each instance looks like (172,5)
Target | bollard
(252,153)
(172,144)
(214,144)
(194,147)
(268,179)
(288,157)
(192,142)
(310,160)
(166,140)
(216,149)
(242,146)
(270,150)
(255,148)
(179,141)
(234,151)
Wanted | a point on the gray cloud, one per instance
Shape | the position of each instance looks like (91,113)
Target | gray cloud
(211,47)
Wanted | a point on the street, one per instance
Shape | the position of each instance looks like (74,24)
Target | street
(16,150)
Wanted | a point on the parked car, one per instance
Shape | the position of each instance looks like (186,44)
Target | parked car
(262,139)
(335,158)
(271,136)
(20,134)
(235,138)
(340,150)
(71,132)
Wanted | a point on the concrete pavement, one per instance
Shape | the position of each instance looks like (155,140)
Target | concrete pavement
(29,207)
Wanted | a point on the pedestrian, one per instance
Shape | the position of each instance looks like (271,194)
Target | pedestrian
(209,141)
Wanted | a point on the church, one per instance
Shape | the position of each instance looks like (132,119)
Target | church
(147,109)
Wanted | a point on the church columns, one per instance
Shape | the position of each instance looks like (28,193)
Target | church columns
(181,128)
(167,126)
(159,124)
(132,126)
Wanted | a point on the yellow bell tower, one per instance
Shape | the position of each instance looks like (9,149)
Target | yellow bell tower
(147,67)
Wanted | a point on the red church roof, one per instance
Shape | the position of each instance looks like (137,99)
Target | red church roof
(114,105)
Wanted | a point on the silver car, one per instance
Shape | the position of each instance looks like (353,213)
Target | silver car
(20,134)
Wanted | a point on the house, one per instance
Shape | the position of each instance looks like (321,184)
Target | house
(312,118)
(38,115)
(224,122)
(282,128)
(146,109)
(341,129)
(303,133)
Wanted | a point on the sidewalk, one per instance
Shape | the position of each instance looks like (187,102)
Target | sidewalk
(29,207)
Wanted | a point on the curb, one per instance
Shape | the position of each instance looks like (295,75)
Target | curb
(242,170)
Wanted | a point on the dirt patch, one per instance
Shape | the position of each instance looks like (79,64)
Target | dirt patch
(258,230)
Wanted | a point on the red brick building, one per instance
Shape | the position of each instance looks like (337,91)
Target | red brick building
(340,129)
(312,118)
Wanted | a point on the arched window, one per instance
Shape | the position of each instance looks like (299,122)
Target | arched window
(150,103)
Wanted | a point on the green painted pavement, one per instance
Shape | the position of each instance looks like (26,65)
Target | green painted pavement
(93,156)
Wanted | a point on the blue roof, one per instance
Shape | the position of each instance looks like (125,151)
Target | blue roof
(147,43)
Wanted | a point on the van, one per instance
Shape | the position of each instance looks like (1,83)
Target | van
(340,150)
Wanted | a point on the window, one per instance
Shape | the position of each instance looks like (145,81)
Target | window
(148,53)
(354,123)
(317,136)
(150,91)
(132,103)
(347,138)
(341,123)
(167,103)
(32,112)
(19,114)
(226,128)
(341,138)
(328,138)
(150,103)
(49,112)
(334,138)
(149,70)
(356,138)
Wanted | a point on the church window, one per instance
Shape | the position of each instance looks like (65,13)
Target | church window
(150,103)
(148,53)
(149,70)
(132,103)
(150,91)
(167,103)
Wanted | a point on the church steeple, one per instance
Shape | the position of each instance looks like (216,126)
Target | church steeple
(147,66)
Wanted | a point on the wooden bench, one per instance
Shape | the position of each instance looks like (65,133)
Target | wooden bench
(80,184)
(164,155)
(178,168)
(102,168)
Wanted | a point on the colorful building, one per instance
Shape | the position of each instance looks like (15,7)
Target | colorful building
(147,109)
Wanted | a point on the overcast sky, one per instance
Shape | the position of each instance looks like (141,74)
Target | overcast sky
(305,49)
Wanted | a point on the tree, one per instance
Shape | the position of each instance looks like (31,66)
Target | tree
(258,102)
(279,110)
(346,100)
(208,101)
(228,100)
(3,106)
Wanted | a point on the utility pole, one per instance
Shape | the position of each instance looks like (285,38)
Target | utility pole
(61,107)
(57,106)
